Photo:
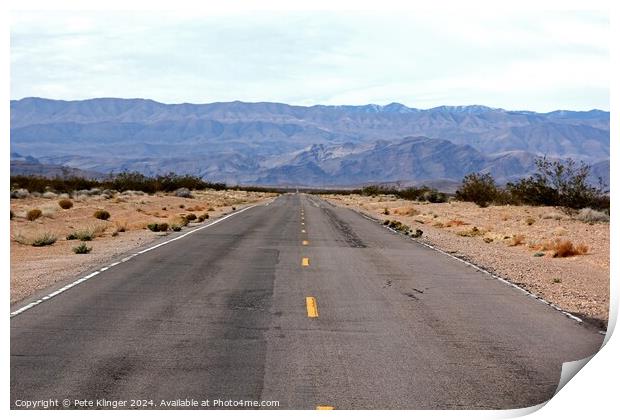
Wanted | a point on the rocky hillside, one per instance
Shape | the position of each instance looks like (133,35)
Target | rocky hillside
(276,143)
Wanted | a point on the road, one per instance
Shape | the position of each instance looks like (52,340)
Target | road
(302,303)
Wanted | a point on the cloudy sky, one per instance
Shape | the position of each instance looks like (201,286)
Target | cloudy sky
(532,60)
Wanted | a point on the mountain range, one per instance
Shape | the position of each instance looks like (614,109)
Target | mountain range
(279,144)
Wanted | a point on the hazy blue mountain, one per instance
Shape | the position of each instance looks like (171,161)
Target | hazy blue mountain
(317,145)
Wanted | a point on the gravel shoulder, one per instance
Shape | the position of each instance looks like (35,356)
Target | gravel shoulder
(36,268)
(578,284)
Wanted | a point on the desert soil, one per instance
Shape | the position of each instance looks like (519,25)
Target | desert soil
(578,284)
(36,268)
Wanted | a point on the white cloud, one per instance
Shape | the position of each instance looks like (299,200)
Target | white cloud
(524,59)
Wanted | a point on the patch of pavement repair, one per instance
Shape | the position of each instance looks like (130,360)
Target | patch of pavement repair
(488,271)
(349,236)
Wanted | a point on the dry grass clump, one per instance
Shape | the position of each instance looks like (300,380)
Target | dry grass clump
(33,214)
(406,211)
(121,226)
(86,234)
(456,222)
(562,248)
(516,240)
(471,232)
(81,249)
(39,239)
(530,221)
(65,204)
(49,211)
(195,208)
(553,215)
(589,215)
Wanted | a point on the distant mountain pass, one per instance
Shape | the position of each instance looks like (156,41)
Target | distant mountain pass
(275,143)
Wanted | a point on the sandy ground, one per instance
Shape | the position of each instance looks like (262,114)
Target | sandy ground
(577,284)
(35,268)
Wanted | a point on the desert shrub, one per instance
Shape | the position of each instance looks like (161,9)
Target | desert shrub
(434,196)
(82,235)
(121,226)
(102,214)
(44,239)
(589,215)
(12,215)
(33,214)
(386,211)
(87,234)
(417,234)
(474,231)
(191,217)
(487,240)
(175,227)
(81,249)
(234,208)
(203,217)
(560,183)
(530,221)
(406,211)
(132,182)
(517,239)
(20,193)
(65,203)
(398,226)
(478,188)
(183,192)
(157,227)
(553,215)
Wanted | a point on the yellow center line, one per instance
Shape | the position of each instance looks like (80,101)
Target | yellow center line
(302,223)
(311,307)
(303,231)
(304,242)
(324,407)
(305,262)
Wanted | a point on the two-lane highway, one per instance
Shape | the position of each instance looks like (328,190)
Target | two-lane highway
(302,303)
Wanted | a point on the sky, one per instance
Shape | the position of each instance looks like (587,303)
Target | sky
(520,60)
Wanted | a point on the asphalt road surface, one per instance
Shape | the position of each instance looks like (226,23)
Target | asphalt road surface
(298,302)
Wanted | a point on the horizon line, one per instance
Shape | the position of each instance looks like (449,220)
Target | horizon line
(308,106)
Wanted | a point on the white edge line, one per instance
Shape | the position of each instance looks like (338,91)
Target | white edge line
(125,259)
(495,276)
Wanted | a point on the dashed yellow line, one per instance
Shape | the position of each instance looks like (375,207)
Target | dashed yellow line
(305,261)
(311,307)
(324,407)
(303,231)
(302,223)
(304,242)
